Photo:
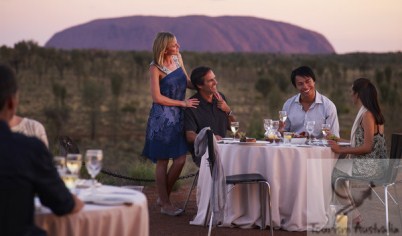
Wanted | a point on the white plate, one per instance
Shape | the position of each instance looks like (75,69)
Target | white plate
(227,141)
(107,200)
(298,140)
(227,138)
(343,144)
(302,145)
(112,201)
(257,143)
(86,183)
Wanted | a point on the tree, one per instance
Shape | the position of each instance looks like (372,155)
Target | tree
(92,99)
(116,82)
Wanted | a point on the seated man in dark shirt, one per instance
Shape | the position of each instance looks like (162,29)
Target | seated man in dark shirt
(212,111)
(26,170)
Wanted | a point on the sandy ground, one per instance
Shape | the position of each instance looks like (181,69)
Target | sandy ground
(372,211)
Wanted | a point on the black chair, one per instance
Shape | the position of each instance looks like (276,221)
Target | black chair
(195,180)
(387,180)
(249,178)
(197,162)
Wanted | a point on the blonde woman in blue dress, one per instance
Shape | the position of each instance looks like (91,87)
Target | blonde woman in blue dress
(165,137)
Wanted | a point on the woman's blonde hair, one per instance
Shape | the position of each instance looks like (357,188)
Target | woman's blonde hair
(161,42)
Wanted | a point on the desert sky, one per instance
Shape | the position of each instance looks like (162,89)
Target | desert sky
(349,25)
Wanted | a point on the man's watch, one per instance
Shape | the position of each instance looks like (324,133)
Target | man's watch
(230,113)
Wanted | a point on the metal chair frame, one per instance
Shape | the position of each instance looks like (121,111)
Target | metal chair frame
(388,180)
(249,178)
(195,180)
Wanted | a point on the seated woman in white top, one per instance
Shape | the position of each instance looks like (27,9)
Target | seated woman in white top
(29,127)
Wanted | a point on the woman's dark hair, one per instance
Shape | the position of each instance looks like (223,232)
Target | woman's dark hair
(8,84)
(303,71)
(367,93)
(197,75)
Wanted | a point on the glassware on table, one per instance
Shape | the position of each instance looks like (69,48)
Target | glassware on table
(234,127)
(287,137)
(69,180)
(74,162)
(60,164)
(283,116)
(267,126)
(93,163)
(275,125)
(325,128)
(273,134)
(310,129)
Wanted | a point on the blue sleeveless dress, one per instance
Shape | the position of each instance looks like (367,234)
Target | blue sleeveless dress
(165,137)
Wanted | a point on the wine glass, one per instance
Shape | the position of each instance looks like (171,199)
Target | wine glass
(275,125)
(325,128)
(93,163)
(74,162)
(60,164)
(267,126)
(283,116)
(310,129)
(234,127)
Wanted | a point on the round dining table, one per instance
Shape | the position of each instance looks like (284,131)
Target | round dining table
(300,180)
(108,210)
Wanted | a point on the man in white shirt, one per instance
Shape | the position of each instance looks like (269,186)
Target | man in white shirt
(309,105)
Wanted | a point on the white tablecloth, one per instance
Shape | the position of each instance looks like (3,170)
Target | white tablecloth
(100,220)
(300,179)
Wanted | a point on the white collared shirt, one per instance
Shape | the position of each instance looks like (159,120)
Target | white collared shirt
(322,111)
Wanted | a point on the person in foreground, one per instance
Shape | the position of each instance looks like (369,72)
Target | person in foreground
(308,105)
(165,129)
(26,170)
(213,111)
(29,127)
(367,143)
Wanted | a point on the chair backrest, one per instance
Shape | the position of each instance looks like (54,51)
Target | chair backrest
(395,157)
(67,145)
(211,150)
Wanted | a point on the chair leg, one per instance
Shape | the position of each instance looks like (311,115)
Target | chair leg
(386,208)
(263,205)
(210,223)
(209,212)
(206,214)
(271,226)
(191,189)
(397,203)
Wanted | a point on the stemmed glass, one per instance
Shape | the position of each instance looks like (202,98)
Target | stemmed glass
(283,116)
(60,164)
(275,126)
(274,131)
(310,128)
(234,127)
(267,126)
(73,162)
(325,128)
(93,163)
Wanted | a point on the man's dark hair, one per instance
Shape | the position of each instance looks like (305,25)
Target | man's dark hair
(303,71)
(197,75)
(8,84)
